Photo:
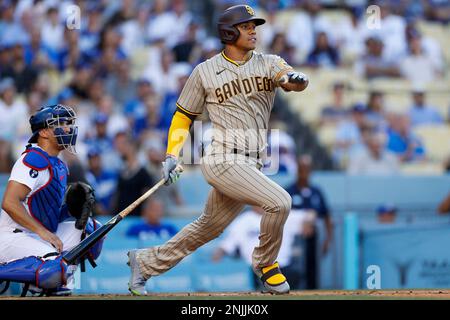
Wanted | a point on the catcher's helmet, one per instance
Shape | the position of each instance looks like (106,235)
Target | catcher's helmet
(57,117)
(233,16)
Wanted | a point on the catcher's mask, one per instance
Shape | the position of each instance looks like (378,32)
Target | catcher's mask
(233,16)
(61,119)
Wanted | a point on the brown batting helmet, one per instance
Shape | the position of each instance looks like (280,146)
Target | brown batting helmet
(233,16)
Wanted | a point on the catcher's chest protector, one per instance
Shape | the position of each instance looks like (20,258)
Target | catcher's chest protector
(45,204)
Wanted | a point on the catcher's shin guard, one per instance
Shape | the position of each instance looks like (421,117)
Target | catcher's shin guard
(91,226)
(46,274)
(95,251)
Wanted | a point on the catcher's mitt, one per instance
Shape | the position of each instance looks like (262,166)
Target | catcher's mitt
(80,200)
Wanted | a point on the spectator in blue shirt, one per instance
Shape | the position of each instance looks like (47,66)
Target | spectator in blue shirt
(152,227)
(421,113)
(306,196)
(38,54)
(157,115)
(336,111)
(349,134)
(102,181)
(402,141)
(135,109)
(376,110)
(24,75)
(282,48)
(323,55)
(134,179)
(100,139)
(71,55)
(90,32)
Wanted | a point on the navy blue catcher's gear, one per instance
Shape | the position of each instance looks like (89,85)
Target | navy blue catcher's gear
(46,203)
(91,226)
(94,252)
(46,274)
(228,33)
(61,119)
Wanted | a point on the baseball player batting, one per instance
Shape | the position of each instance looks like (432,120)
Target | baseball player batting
(237,87)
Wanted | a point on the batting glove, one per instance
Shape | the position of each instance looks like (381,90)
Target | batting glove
(294,77)
(170,175)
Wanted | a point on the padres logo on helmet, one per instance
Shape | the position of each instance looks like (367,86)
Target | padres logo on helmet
(250,10)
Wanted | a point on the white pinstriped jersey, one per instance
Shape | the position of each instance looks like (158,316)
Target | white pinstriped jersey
(238,97)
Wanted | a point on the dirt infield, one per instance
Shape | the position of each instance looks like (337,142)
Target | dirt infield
(294,295)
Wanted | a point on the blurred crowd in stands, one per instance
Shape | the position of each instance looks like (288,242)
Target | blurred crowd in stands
(123,65)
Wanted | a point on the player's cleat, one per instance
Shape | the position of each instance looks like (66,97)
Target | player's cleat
(136,285)
(62,291)
(33,291)
(273,280)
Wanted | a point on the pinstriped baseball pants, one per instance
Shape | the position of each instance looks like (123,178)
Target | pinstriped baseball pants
(236,181)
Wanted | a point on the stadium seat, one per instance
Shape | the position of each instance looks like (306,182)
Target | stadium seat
(139,61)
(57,81)
(441,101)
(394,85)
(310,103)
(308,108)
(335,16)
(328,77)
(439,86)
(438,32)
(348,57)
(436,139)
(283,18)
(357,95)
(399,103)
(327,135)
(446,47)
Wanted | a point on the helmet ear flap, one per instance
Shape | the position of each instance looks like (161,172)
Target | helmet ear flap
(228,34)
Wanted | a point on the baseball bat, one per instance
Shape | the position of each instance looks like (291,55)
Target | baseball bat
(83,247)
